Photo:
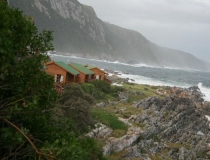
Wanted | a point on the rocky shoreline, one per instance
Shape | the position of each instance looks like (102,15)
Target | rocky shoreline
(172,125)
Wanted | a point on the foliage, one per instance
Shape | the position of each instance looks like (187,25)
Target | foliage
(67,144)
(30,126)
(108,119)
(72,113)
(103,86)
(75,104)
(22,81)
(91,89)
(27,92)
(101,90)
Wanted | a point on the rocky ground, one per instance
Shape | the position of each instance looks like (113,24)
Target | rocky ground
(173,124)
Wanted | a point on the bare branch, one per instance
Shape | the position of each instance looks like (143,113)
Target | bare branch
(28,139)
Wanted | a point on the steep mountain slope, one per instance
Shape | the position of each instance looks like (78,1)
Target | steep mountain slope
(77,30)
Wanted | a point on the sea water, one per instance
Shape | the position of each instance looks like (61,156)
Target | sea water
(144,74)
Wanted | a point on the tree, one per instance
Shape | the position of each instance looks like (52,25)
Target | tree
(31,125)
(26,91)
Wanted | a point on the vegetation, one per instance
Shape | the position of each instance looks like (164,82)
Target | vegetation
(34,124)
(101,90)
(75,105)
(108,119)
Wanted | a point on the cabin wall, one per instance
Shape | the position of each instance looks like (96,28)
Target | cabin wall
(70,78)
(53,69)
(81,77)
(99,73)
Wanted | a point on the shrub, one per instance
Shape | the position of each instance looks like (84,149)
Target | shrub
(102,86)
(101,90)
(93,91)
(75,104)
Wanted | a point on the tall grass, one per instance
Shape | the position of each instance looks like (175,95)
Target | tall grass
(108,119)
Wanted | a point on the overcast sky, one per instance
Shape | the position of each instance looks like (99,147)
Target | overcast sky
(178,24)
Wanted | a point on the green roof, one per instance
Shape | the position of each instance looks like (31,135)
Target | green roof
(81,68)
(67,68)
(90,67)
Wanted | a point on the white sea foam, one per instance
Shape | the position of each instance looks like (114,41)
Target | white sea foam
(205,91)
(145,80)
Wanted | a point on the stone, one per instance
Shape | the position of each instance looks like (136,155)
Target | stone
(200,133)
(101,131)
(118,144)
(101,105)
(123,96)
(125,121)
(112,103)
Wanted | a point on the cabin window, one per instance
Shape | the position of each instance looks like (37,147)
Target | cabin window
(58,78)
(61,79)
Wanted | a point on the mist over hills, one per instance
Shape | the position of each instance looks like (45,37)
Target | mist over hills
(78,31)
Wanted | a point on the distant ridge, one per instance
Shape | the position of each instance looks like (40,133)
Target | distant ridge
(78,31)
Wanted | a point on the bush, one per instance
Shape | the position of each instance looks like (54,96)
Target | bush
(101,90)
(102,86)
(71,118)
(75,104)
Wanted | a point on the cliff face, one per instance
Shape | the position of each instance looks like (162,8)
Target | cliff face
(77,30)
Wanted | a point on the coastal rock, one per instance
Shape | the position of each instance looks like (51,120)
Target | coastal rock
(111,103)
(126,121)
(136,92)
(145,103)
(101,131)
(101,105)
(118,144)
(123,96)
(116,79)
(175,120)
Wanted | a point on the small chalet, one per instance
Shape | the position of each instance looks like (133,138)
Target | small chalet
(62,72)
(85,75)
(98,74)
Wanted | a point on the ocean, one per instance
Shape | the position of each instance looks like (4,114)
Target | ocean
(144,74)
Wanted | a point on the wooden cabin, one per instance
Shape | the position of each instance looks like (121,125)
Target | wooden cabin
(62,73)
(98,74)
(85,75)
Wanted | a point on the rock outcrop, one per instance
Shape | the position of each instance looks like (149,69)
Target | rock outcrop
(118,144)
(101,131)
(170,121)
(172,127)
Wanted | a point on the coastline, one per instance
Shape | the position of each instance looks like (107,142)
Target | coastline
(118,77)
